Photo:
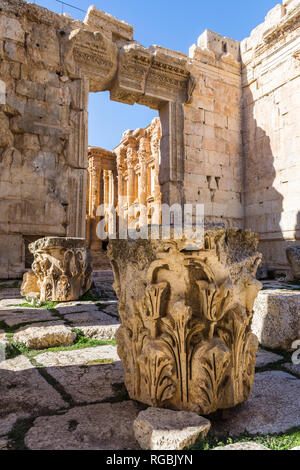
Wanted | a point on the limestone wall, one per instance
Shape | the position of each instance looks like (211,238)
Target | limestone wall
(43,134)
(271,131)
(213,144)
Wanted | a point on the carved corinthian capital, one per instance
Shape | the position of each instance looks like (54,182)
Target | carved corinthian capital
(61,270)
(185,339)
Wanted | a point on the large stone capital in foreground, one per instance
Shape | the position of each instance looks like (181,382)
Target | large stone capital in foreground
(185,339)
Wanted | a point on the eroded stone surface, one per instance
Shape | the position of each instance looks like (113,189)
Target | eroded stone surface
(61,267)
(276,320)
(273,407)
(44,337)
(264,358)
(103,426)
(159,429)
(24,391)
(243,446)
(185,339)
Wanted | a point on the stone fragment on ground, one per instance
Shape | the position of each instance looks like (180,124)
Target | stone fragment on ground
(263,358)
(78,356)
(243,446)
(105,426)
(276,319)
(294,368)
(160,429)
(44,337)
(24,391)
(273,407)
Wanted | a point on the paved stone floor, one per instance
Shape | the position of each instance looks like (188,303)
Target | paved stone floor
(73,397)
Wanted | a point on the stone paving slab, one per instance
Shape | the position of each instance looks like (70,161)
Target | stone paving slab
(10,304)
(263,358)
(77,306)
(25,315)
(273,408)
(112,310)
(243,446)
(294,368)
(78,356)
(7,422)
(24,391)
(105,426)
(10,293)
(40,325)
(90,383)
(95,317)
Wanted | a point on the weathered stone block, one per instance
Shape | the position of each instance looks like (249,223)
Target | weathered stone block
(185,339)
(276,320)
(158,429)
(62,268)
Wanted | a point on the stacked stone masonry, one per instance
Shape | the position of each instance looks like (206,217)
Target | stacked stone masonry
(228,115)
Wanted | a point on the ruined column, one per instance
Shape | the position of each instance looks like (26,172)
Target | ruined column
(185,339)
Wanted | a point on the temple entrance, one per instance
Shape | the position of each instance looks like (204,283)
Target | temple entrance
(123,170)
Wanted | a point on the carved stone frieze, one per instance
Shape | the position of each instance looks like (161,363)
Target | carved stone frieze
(61,270)
(185,339)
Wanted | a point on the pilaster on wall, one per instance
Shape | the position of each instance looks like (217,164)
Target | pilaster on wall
(171,175)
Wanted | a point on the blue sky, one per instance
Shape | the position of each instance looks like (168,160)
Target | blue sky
(174,24)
